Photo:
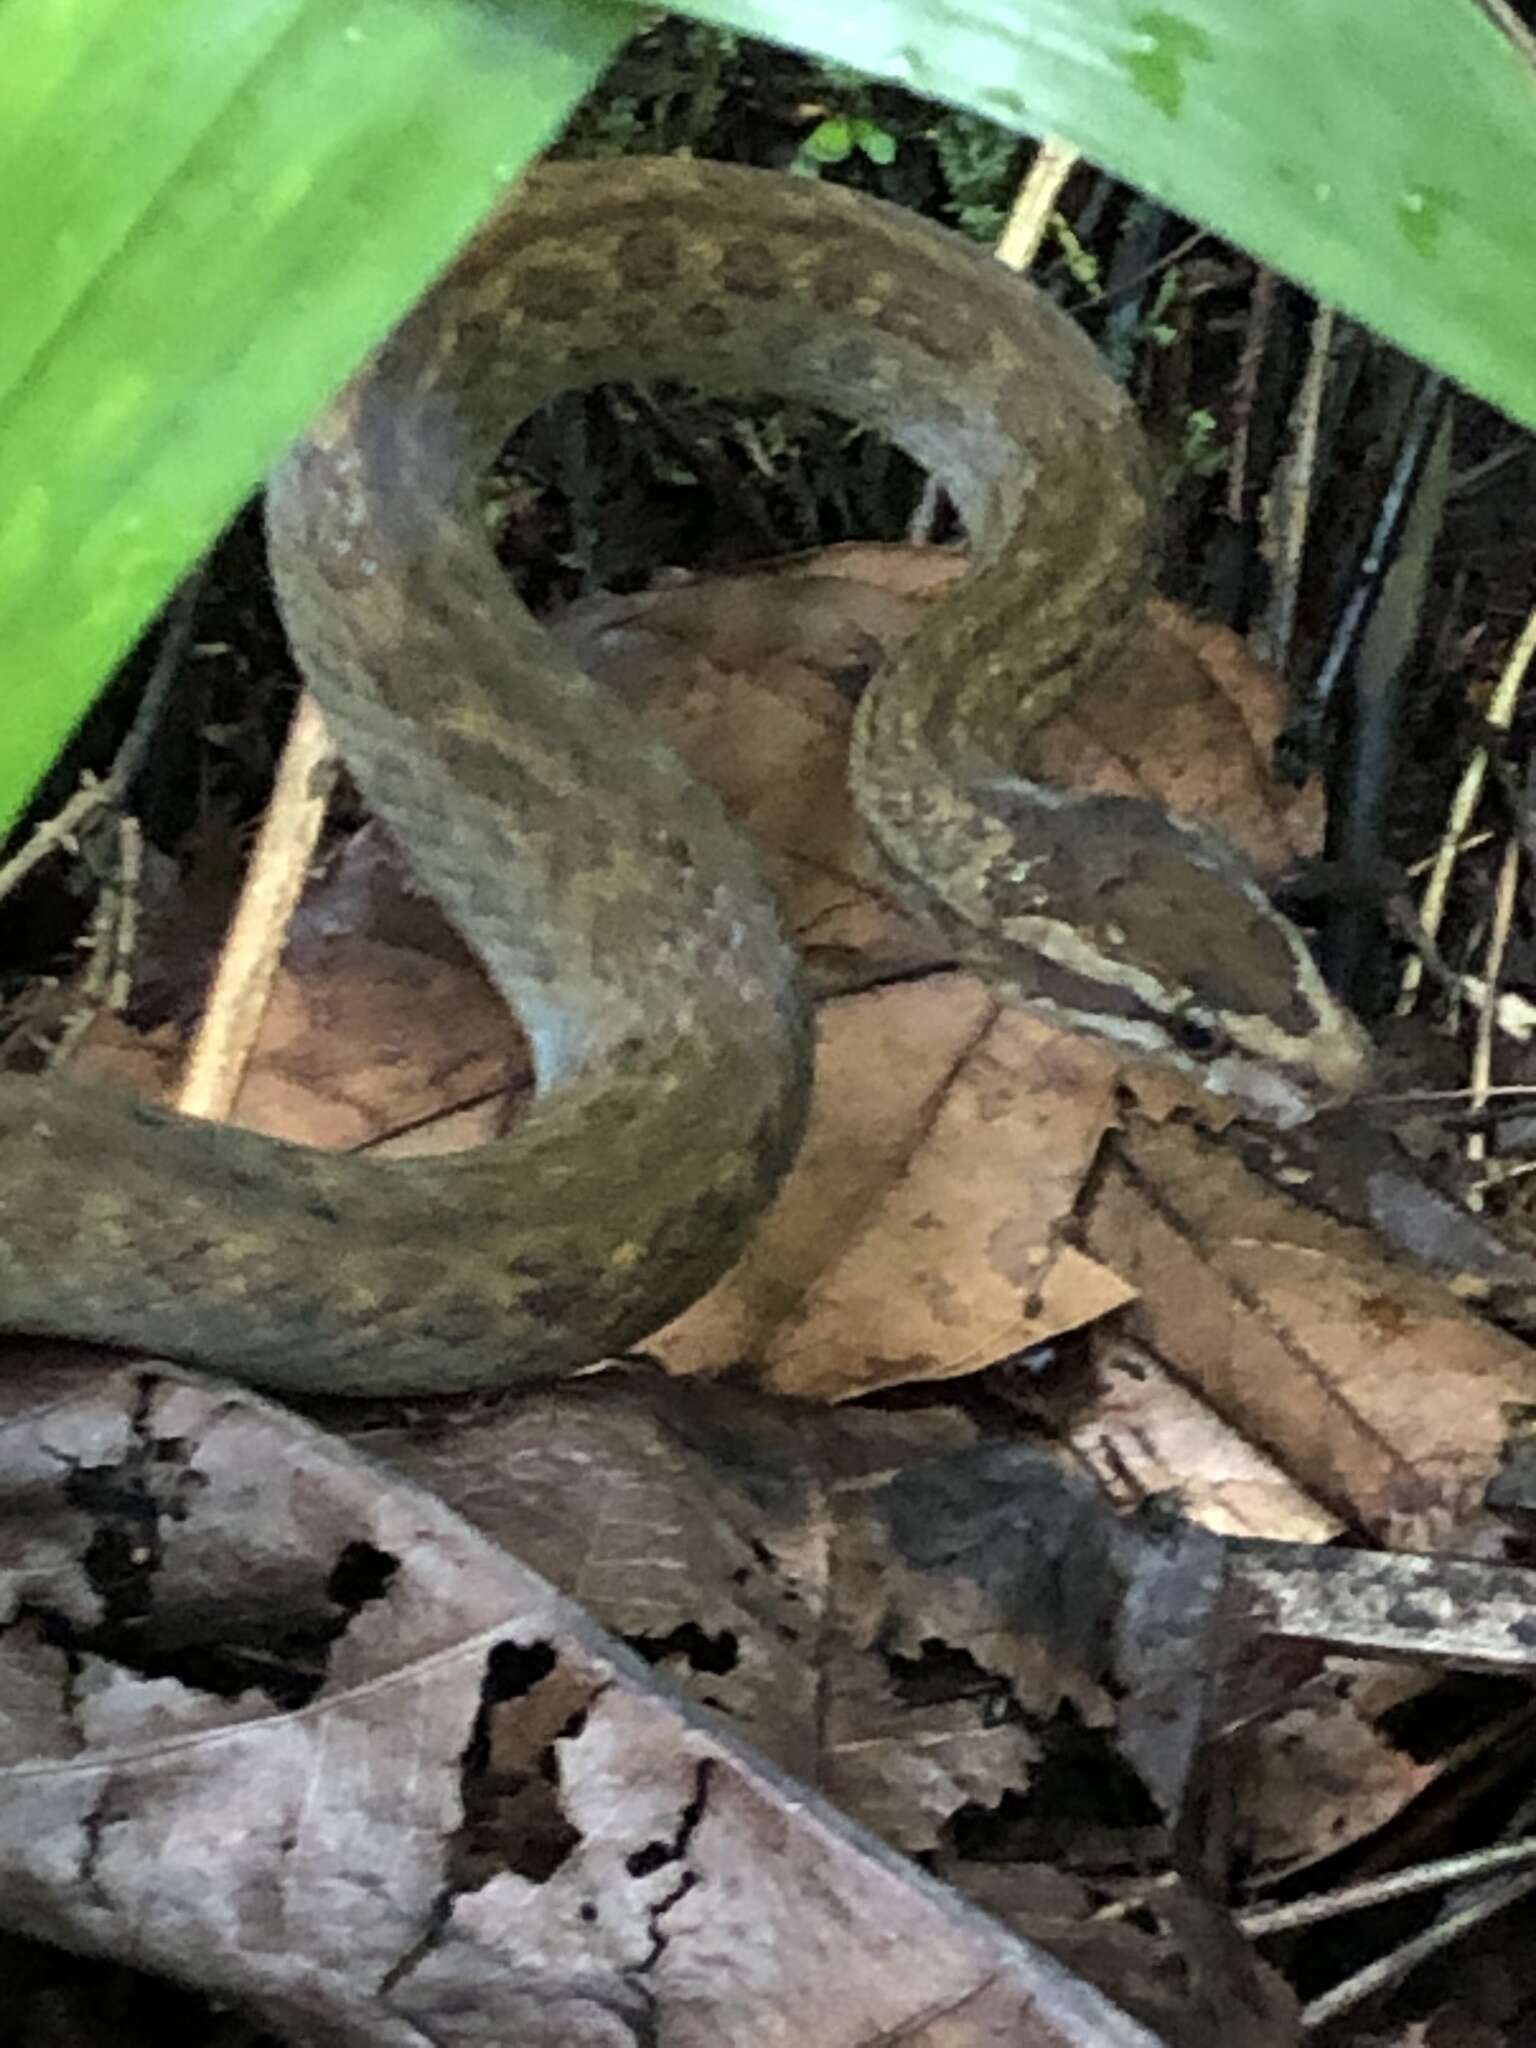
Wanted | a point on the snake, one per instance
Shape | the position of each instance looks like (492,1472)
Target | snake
(619,911)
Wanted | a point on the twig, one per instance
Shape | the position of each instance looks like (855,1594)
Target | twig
(1292,494)
(247,965)
(1107,300)
(61,831)
(1378,1891)
(1421,434)
(1261,313)
(1371,643)
(1482,1045)
(1392,1968)
(107,981)
(1030,215)
(1498,718)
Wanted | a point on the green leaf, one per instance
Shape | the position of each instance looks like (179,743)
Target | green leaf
(829,142)
(213,210)
(1385,154)
(211,213)
(877,143)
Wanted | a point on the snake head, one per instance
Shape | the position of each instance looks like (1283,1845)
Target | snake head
(1145,929)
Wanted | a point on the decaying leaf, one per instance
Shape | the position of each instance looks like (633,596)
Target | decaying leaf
(286,1726)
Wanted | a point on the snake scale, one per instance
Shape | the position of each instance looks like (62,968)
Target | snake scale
(616,907)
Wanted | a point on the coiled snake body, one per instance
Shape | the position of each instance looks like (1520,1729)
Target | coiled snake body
(618,910)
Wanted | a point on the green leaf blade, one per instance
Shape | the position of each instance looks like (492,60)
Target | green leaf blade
(182,298)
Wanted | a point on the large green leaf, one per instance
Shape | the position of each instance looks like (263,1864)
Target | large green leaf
(1383,151)
(211,211)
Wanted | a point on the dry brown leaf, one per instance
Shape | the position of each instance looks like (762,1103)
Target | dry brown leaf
(919,1235)
(1185,714)
(740,675)
(368,1038)
(1370,1384)
(1144,1432)
(1328,1770)
(747,1551)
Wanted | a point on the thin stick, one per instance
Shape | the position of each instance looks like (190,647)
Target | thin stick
(1261,313)
(1487,1008)
(1023,232)
(248,963)
(1498,717)
(1292,494)
(1392,1968)
(1376,1891)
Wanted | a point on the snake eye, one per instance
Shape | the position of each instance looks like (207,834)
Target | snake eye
(1202,1041)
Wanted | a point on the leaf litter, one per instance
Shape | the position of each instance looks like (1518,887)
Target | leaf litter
(976,1187)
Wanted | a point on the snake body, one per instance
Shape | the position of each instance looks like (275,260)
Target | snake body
(619,911)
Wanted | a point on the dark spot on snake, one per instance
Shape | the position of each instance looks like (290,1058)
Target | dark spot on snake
(480,337)
(1048,981)
(927,325)
(835,284)
(558,1307)
(647,260)
(322,1211)
(709,320)
(457,1318)
(747,272)
(676,848)
(555,292)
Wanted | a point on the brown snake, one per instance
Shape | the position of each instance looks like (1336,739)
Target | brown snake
(620,913)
